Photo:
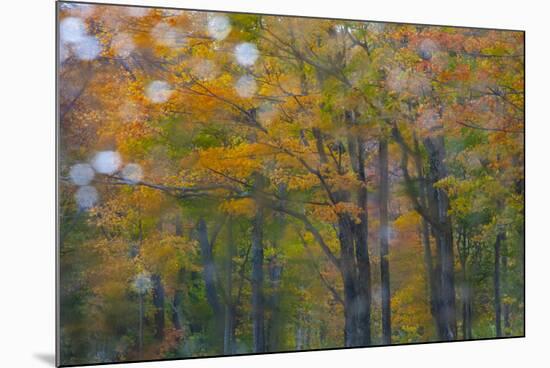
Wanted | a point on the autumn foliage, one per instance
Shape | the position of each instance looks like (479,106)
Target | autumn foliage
(236,183)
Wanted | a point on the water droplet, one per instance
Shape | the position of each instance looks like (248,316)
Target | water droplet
(158,91)
(219,27)
(72,29)
(246,86)
(142,283)
(86,197)
(87,48)
(427,48)
(246,53)
(106,162)
(132,173)
(81,174)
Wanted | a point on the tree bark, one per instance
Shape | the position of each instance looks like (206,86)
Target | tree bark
(177,301)
(364,286)
(275,324)
(384,242)
(158,302)
(496,284)
(466,288)
(258,329)
(504,282)
(349,276)
(439,209)
(229,314)
(354,250)
(431,276)
(210,280)
(433,205)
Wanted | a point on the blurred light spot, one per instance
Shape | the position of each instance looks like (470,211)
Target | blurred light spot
(219,27)
(81,174)
(246,53)
(123,44)
(86,197)
(132,173)
(142,283)
(106,162)
(158,91)
(72,29)
(427,48)
(87,48)
(246,86)
(168,36)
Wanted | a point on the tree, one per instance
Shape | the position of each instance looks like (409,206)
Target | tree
(225,155)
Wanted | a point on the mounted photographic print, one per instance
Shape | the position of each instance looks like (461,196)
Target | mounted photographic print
(234,183)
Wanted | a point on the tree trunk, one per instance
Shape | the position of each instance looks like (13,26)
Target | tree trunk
(433,205)
(504,282)
(349,277)
(258,330)
(431,274)
(275,323)
(466,289)
(384,242)
(141,313)
(210,281)
(431,278)
(362,303)
(496,284)
(442,231)
(229,315)
(358,242)
(158,302)
(177,301)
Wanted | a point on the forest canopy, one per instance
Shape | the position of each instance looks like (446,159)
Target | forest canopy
(241,183)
